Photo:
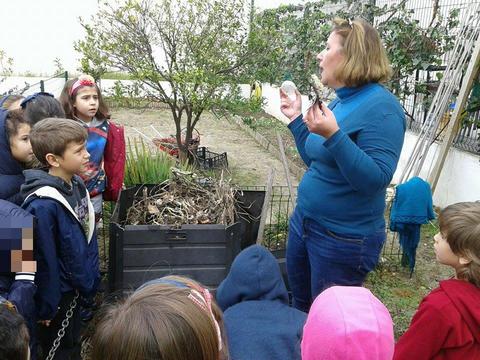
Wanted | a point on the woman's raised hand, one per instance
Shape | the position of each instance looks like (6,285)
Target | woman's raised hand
(290,108)
(321,120)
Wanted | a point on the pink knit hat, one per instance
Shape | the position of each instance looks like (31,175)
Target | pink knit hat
(347,323)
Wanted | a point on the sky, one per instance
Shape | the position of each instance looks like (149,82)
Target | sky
(35,32)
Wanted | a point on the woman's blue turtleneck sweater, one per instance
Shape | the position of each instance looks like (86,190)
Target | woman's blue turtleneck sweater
(344,186)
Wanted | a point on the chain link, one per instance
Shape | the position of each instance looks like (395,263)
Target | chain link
(61,332)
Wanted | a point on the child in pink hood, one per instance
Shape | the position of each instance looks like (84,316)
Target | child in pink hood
(347,323)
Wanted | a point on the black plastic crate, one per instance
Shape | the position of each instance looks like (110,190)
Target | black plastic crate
(209,160)
(139,253)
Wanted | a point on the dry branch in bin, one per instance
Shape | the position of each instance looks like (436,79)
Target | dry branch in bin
(186,199)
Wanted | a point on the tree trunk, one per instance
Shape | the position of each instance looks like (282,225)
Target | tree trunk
(184,138)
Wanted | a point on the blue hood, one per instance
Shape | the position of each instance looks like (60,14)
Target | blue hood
(8,165)
(254,275)
(11,176)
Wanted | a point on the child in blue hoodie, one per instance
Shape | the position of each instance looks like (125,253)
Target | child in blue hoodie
(66,247)
(15,149)
(259,322)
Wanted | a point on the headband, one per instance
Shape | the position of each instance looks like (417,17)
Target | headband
(200,297)
(84,80)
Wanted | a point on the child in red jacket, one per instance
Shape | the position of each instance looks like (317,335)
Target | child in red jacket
(82,100)
(447,323)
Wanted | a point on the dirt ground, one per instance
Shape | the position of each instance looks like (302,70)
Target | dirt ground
(249,163)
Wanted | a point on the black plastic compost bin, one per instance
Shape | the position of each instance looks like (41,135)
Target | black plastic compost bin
(138,253)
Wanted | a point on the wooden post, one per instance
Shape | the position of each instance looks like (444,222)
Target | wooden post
(465,89)
(266,205)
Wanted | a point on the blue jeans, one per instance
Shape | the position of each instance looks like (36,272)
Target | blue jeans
(317,258)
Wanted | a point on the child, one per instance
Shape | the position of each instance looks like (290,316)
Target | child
(259,322)
(348,323)
(15,149)
(66,248)
(82,100)
(41,106)
(15,152)
(170,318)
(13,333)
(447,322)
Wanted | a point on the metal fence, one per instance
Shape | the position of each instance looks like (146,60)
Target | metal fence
(281,207)
(416,105)
(23,86)
(279,210)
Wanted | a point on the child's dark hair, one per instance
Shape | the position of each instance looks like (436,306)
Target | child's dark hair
(9,100)
(67,99)
(53,135)
(460,224)
(41,106)
(167,320)
(14,337)
(13,121)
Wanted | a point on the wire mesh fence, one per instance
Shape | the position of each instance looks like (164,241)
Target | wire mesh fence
(280,209)
(417,104)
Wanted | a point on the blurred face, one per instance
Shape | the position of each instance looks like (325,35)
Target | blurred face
(20,144)
(86,103)
(444,253)
(329,59)
(75,158)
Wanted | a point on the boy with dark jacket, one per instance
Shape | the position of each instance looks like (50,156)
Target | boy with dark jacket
(66,247)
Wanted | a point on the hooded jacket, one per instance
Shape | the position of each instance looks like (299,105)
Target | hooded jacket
(66,253)
(259,322)
(446,325)
(11,176)
(347,323)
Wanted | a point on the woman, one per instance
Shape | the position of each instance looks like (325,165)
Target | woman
(351,149)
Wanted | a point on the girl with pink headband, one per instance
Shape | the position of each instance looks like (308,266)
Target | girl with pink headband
(169,318)
(82,101)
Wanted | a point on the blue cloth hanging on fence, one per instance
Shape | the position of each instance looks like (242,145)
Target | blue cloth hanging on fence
(411,208)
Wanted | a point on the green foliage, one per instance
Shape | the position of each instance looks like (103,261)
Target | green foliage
(275,235)
(125,95)
(116,75)
(292,36)
(238,105)
(145,165)
(411,47)
(93,61)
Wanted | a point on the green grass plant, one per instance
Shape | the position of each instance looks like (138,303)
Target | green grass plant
(148,165)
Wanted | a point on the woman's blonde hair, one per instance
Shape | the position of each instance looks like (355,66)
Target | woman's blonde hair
(460,224)
(161,320)
(365,59)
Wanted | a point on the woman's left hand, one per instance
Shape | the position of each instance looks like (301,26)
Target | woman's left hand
(320,120)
